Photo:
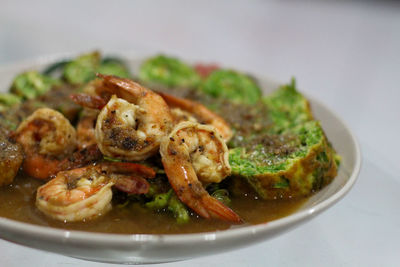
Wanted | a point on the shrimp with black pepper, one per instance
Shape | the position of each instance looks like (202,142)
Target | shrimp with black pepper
(50,144)
(132,123)
(47,137)
(194,154)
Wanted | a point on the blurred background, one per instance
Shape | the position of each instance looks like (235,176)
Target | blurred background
(343,53)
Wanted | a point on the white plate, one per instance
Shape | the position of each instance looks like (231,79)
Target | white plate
(119,248)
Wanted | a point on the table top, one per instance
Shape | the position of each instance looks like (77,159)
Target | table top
(345,54)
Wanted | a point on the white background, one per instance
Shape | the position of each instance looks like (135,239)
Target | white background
(345,54)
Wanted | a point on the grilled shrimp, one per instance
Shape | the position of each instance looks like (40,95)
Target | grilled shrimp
(193,154)
(133,122)
(49,142)
(192,110)
(85,193)
(46,137)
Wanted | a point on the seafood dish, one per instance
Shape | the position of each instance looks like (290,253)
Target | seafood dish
(174,148)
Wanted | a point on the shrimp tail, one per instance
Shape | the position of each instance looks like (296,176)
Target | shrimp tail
(194,195)
(144,171)
(132,185)
(206,206)
(88,101)
(218,210)
(127,167)
(41,167)
(121,87)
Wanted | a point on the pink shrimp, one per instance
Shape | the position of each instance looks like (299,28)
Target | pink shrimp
(85,193)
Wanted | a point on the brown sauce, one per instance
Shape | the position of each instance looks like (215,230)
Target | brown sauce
(17,202)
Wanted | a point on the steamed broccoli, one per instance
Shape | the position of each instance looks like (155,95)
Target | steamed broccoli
(232,85)
(178,209)
(170,201)
(168,71)
(113,66)
(82,69)
(30,84)
(8,100)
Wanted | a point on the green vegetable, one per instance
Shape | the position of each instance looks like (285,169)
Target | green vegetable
(159,201)
(153,190)
(338,159)
(113,66)
(8,99)
(232,85)
(168,71)
(178,209)
(111,159)
(287,107)
(56,67)
(31,84)
(222,195)
(283,183)
(82,69)
(170,201)
(294,157)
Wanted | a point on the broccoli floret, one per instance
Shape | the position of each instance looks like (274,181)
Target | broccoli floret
(178,209)
(232,85)
(113,66)
(8,99)
(170,201)
(82,69)
(159,201)
(30,84)
(168,71)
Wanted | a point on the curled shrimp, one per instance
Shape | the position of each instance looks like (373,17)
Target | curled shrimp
(133,122)
(49,142)
(85,193)
(46,136)
(190,109)
(193,154)
(89,197)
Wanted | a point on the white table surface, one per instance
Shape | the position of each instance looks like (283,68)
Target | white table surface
(346,54)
